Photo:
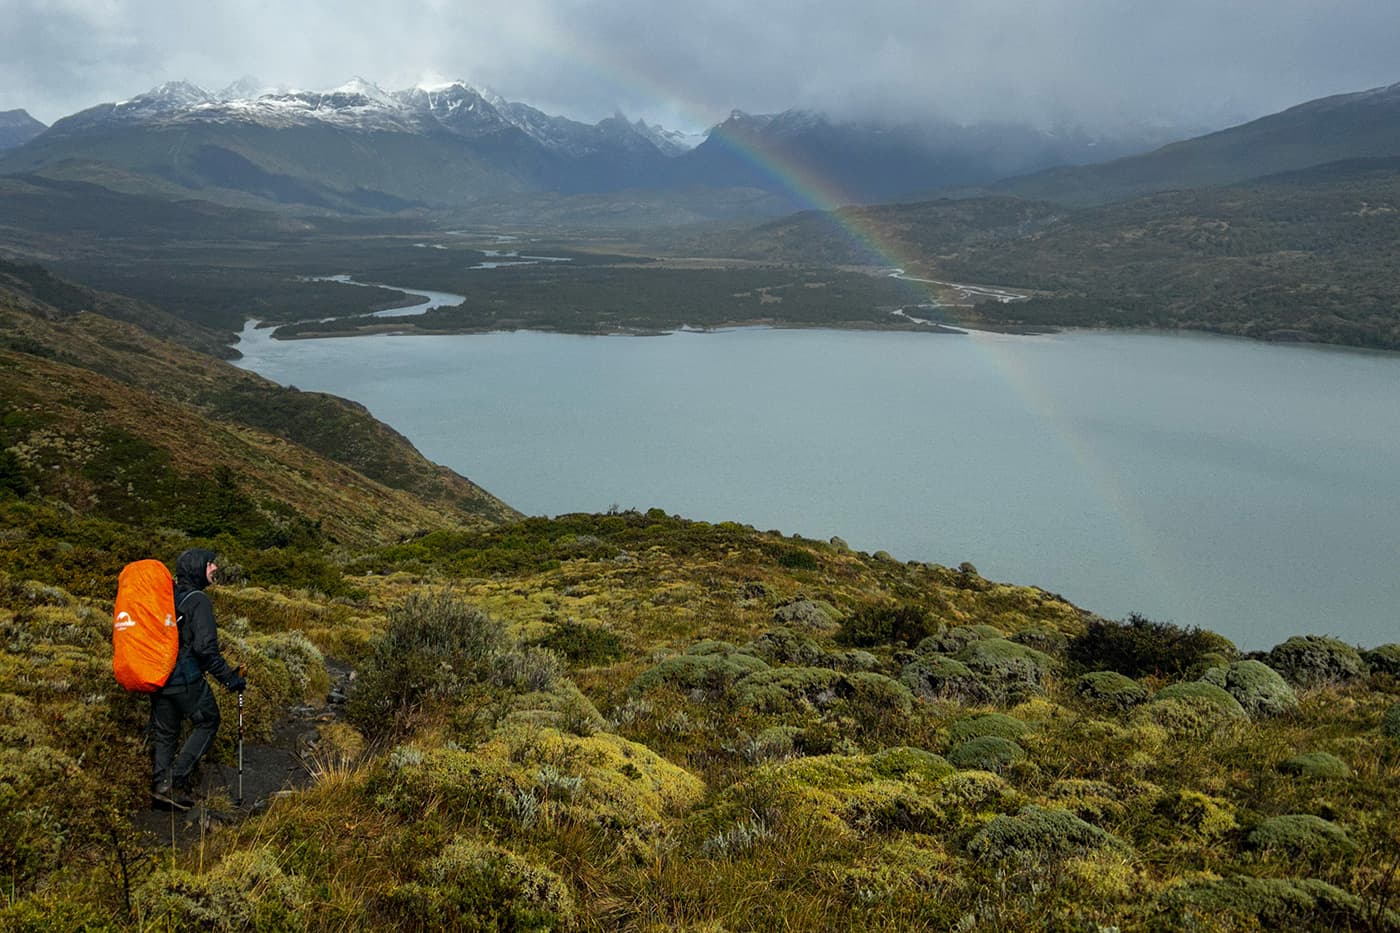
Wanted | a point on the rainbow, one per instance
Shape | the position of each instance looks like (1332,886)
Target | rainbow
(823,195)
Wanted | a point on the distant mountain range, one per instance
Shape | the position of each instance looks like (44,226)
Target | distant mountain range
(1362,125)
(17,127)
(360,149)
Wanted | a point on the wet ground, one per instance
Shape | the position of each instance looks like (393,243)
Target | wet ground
(222,796)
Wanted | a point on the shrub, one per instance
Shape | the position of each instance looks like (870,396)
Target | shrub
(986,753)
(797,559)
(1043,639)
(1303,835)
(474,885)
(1384,660)
(583,644)
(876,624)
(1390,722)
(998,724)
(1036,833)
(1260,690)
(1317,661)
(1141,646)
(526,669)
(937,677)
(1109,690)
(1315,765)
(1272,903)
(1014,671)
(434,646)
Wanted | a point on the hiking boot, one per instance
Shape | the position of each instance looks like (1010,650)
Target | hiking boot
(167,797)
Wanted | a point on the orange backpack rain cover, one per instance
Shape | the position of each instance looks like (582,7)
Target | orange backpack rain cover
(145,637)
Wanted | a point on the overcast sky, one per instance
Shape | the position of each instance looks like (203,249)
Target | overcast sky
(686,65)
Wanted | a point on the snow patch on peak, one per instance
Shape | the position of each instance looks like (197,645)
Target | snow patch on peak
(359,87)
(246,88)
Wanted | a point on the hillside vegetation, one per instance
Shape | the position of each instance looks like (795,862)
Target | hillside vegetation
(629,720)
(1303,256)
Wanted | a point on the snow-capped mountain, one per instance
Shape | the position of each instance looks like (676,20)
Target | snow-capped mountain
(362,105)
(358,147)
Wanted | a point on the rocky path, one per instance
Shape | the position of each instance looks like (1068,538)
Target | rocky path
(270,770)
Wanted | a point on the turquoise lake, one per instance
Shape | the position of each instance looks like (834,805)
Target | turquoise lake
(1249,488)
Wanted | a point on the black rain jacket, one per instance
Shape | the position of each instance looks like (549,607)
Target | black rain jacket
(199,638)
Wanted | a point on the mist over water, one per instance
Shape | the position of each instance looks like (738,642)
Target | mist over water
(1248,488)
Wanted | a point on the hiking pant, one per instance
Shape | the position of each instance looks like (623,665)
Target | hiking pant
(170,707)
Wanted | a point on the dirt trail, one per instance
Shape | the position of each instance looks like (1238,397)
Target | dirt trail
(269,770)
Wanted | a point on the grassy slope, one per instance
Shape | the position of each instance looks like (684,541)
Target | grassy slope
(78,385)
(633,789)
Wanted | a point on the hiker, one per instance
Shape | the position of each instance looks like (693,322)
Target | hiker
(186,694)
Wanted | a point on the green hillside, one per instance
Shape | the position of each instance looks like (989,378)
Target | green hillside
(1300,256)
(626,721)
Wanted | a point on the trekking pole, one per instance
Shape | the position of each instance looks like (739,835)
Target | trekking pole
(240,741)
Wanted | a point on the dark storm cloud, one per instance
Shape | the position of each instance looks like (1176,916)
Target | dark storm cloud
(1095,61)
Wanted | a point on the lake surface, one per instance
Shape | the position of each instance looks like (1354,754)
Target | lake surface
(1249,488)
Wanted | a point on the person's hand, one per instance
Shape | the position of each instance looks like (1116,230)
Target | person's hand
(237,683)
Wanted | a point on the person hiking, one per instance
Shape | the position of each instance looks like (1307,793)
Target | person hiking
(186,694)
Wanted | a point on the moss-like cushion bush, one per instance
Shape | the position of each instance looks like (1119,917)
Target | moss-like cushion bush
(1260,689)
(1109,691)
(1013,670)
(786,645)
(1390,722)
(1317,661)
(475,885)
(805,613)
(906,763)
(1271,903)
(616,785)
(781,689)
(1037,833)
(1315,765)
(868,694)
(843,795)
(1215,696)
(1384,660)
(937,677)
(999,724)
(246,890)
(713,673)
(1302,834)
(986,753)
(952,639)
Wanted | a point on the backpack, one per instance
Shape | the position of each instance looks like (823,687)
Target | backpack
(145,627)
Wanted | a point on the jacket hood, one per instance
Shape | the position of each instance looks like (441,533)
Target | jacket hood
(189,567)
